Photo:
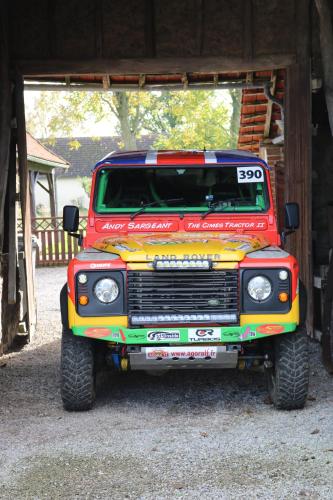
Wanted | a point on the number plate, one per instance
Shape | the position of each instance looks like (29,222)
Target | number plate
(250,174)
(183,352)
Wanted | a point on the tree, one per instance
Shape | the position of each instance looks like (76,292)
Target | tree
(189,120)
(235,95)
(182,119)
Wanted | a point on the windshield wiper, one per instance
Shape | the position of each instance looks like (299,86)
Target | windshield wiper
(153,203)
(224,204)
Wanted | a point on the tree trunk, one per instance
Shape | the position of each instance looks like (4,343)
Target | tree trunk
(326,43)
(127,134)
(235,95)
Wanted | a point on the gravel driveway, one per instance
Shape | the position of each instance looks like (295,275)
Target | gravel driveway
(184,435)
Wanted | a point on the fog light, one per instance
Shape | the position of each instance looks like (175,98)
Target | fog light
(83,300)
(283,297)
(82,278)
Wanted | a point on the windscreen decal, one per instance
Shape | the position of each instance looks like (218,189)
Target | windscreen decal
(219,225)
(134,226)
(250,174)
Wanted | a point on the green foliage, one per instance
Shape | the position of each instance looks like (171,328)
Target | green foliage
(201,119)
(236,95)
(74,144)
(190,120)
(86,184)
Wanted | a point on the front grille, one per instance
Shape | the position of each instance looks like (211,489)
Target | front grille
(183,292)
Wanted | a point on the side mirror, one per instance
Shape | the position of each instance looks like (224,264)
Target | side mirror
(70,218)
(291,216)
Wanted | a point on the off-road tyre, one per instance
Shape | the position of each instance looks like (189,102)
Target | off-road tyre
(288,380)
(77,372)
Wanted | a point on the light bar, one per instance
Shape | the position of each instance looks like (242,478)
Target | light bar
(162,265)
(183,318)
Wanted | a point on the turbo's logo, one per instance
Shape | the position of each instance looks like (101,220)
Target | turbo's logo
(203,332)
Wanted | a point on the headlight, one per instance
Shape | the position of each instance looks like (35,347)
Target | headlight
(259,288)
(106,290)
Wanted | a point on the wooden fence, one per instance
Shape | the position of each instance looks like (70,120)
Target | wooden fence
(54,247)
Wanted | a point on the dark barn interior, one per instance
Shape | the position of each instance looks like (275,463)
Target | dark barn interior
(277,50)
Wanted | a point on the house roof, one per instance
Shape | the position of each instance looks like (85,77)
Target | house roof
(83,159)
(41,155)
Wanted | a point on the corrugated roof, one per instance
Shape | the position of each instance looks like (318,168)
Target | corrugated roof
(37,151)
(83,159)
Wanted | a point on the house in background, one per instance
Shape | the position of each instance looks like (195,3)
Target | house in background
(82,153)
(42,164)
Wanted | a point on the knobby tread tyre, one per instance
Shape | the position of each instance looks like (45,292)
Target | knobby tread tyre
(289,379)
(77,372)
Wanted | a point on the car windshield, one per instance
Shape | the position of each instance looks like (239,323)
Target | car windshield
(181,189)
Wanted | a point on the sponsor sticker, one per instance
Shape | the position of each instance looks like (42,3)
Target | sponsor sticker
(250,174)
(204,334)
(225,225)
(163,335)
(270,329)
(114,225)
(100,265)
(97,333)
(136,336)
(181,353)
(247,334)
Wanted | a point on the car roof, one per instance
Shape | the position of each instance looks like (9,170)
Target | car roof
(180,157)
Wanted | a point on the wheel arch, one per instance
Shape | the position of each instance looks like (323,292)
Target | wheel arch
(64,307)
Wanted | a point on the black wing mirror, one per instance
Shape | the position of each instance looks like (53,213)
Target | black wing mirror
(291,216)
(70,221)
(70,218)
(291,220)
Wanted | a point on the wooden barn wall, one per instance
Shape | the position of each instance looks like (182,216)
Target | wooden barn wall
(147,35)
(50,37)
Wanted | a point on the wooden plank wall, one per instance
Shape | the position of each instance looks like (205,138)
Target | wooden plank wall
(97,36)
(298,151)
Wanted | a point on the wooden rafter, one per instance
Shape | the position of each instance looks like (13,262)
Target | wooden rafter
(270,106)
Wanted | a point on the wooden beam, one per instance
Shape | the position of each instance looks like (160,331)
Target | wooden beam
(12,222)
(98,28)
(5,115)
(150,28)
(298,151)
(50,180)
(270,106)
(199,26)
(33,180)
(248,30)
(60,67)
(326,43)
(25,202)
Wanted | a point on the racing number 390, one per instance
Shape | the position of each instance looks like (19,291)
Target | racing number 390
(250,175)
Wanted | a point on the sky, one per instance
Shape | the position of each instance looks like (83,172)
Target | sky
(85,129)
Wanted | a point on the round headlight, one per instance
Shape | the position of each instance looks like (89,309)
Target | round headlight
(259,288)
(106,290)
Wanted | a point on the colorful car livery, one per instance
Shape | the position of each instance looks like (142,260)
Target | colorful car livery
(182,267)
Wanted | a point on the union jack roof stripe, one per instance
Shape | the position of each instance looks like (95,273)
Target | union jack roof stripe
(180,158)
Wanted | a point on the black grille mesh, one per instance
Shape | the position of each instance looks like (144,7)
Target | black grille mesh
(168,292)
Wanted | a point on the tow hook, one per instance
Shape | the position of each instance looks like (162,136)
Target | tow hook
(268,363)
(124,364)
(118,358)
